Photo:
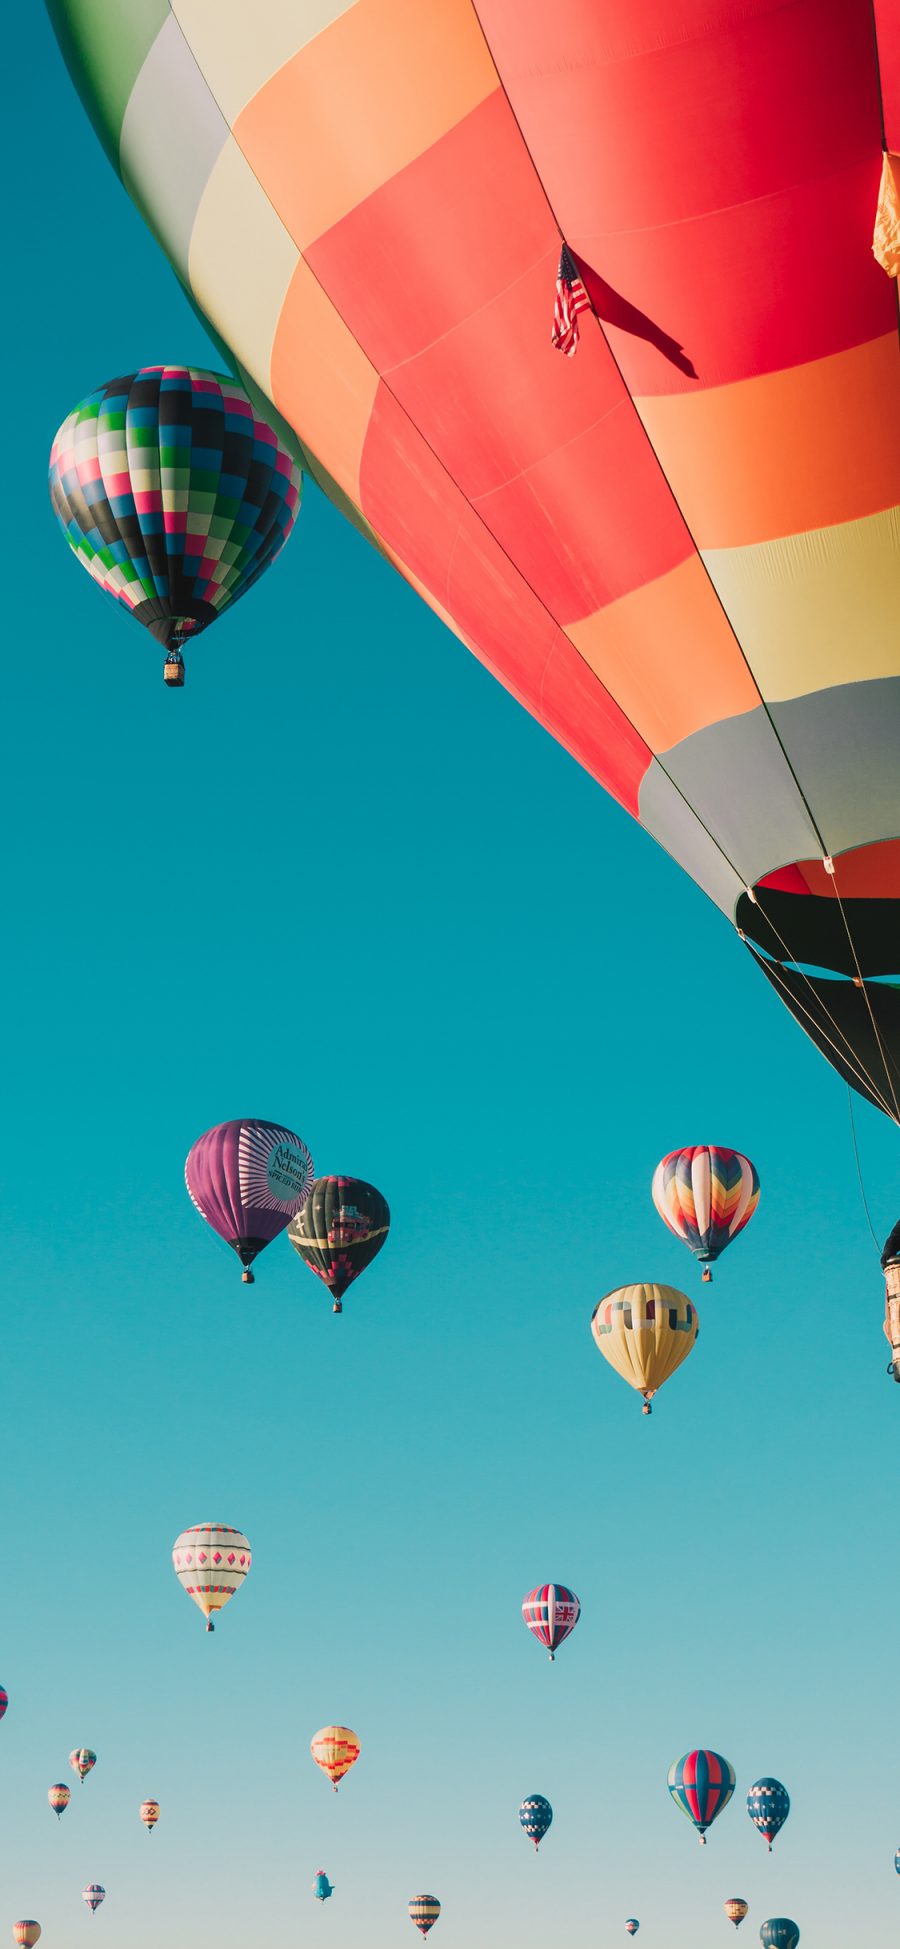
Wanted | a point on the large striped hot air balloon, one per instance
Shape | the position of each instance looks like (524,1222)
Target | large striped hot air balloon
(175,495)
(248,1179)
(59,1797)
(341,1228)
(736,1908)
(645,1332)
(335,1749)
(536,1816)
(701,1784)
(706,1195)
(680,548)
(424,1911)
(211,1562)
(82,1762)
(768,1804)
(551,1612)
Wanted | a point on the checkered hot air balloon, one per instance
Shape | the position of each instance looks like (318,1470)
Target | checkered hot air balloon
(175,495)
(768,1804)
(424,1911)
(736,1908)
(248,1179)
(536,1816)
(780,1933)
(645,1332)
(93,1894)
(59,1797)
(149,1814)
(335,1749)
(82,1762)
(341,1228)
(706,1195)
(701,1784)
(551,1612)
(211,1562)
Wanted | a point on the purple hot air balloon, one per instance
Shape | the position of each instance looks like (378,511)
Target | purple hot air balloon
(248,1178)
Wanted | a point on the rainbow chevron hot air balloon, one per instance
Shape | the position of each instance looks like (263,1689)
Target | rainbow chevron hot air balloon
(82,1762)
(59,1797)
(706,1195)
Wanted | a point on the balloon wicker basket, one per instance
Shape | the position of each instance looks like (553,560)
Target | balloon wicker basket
(173,672)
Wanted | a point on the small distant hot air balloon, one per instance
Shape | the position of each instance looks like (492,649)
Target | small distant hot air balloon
(322,1887)
(551,1612)
(211,1562)
(424,1911)
(736,1908)
(536,1815)
(780,1933)
(701,1784)
(26,1933)
(149,1814)
(4,1701)
(93,1894)
(248,1179)
(335,1749)
(706,1195)
(59,1797)
(82,1761)
(343,1225)
(768,1804)
(897,1861)
(645,1332)
(632,1925)
(175,495)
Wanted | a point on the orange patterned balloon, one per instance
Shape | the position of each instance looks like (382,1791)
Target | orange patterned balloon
(335,1749)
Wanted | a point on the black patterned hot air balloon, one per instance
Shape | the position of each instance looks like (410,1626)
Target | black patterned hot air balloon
(341,1229)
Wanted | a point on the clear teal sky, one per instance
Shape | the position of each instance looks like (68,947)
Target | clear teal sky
(342,880)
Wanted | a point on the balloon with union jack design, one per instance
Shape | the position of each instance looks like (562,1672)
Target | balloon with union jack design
(736,1908)
(701,1784)
(706,1195)
(248,1179)
(536,1816)
(551,1612)
(768,1804)
(424,1911)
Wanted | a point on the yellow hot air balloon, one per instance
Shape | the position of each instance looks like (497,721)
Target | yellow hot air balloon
(645,1332)
(736,1908)
(26,1934)
(335,1749)
(149,1814)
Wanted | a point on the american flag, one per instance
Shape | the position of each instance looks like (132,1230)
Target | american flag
(571,298)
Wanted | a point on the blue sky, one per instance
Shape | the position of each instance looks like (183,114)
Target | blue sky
(342,880)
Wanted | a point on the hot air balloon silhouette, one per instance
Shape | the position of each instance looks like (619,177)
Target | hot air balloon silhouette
(682,558)
(335,1749)
(322,1887)
(645,1332)
(768,1804)
(424,1911)
(551,1613)
(93,1894)
(211,1562)
(736,1908)
(248,1179)
(701,1784)
(149,1814)
(59,1797)
(340,1230)
(82,1762)
(175,495)
(706,1195)
(779,1934)
(536,1815)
